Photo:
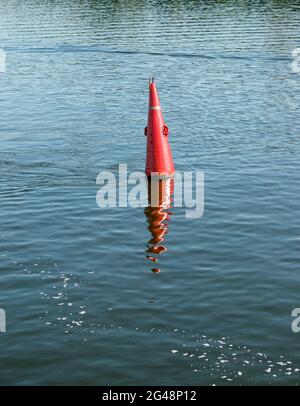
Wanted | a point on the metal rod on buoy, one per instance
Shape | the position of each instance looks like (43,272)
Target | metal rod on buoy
(159,161)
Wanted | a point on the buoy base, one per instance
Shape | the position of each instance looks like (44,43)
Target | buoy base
(160,175)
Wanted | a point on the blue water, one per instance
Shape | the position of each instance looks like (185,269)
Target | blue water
(82,304)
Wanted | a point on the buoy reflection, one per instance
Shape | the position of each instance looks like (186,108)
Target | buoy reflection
(158,213)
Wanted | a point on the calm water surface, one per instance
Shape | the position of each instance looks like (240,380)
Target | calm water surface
(82,304)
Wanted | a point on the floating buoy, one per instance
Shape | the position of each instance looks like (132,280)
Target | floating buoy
(159,161)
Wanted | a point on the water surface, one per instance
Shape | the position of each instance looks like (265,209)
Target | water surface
(82,304)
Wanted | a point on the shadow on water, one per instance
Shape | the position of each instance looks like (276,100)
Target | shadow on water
(158,215)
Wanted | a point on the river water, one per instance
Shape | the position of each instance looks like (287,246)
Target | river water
(82,305)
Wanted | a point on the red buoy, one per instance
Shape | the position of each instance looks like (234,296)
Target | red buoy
(159,160)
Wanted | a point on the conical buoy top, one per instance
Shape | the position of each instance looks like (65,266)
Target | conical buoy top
(153,95)
(159,161)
